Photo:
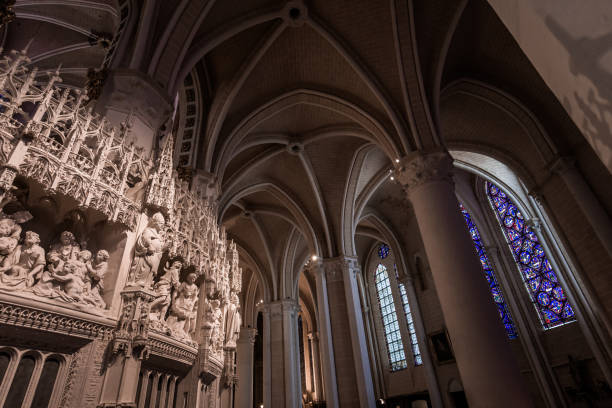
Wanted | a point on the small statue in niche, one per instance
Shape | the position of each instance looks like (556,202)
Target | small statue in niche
(10,232)
(213,321)
(232,321)
(147,253)
(67,247)
(94,277)
(163,289)
(21,268)
(183,310)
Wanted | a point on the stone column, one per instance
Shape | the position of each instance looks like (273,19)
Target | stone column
(308,378)
(351,357)
(155,388)
(316,367)
(326,345)
(586,200)
(171,389)
(267,357)
(428,364)
(284,357)
(489,372)
(129,348)
(244,367)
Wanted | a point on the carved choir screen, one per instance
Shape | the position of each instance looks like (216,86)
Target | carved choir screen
(73,190)
(540,279)
(496,290)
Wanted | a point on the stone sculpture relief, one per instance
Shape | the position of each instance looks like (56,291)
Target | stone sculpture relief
(183,311)
(67,150)
(66,272)
(148,253)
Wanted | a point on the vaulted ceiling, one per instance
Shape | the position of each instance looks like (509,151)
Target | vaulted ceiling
(307,105)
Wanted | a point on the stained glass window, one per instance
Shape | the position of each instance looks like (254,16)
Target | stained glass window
(416,352)
(383,251)
(393,337)
(496,291)
(546,293)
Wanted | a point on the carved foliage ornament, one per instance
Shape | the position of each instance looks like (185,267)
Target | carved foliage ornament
(421,168)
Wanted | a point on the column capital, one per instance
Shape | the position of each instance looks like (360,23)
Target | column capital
(419,168)
(333,268)
(563,164)
(247,335)
(278,307)
(407,280)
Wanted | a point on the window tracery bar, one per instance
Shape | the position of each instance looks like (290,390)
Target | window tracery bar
(393,337)
(416,352)
(541,281)
(496,291)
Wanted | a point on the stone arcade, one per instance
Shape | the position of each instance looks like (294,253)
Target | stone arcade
(305,203)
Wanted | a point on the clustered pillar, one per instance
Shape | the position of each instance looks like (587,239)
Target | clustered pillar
(282,384)
(343,335)
(244,368)
(489,373)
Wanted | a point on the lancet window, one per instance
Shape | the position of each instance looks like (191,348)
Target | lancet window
(541,280)
(393,337)
(496,290)
(416,352)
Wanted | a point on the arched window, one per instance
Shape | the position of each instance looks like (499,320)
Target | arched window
(546,293)
(393,337)
(416,352)
(496,291)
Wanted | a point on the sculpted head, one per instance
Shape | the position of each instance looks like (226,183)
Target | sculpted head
(67,238)
(53,256)
(6,226)
(191,278)
(102,256)
(158,221)
(85,255)
(31,238)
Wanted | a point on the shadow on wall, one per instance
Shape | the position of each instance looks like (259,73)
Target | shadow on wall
(592,108)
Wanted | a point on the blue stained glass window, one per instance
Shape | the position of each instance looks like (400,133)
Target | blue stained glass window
(498,298)
(416,352)
(383,251)
(546,293)
(393,337)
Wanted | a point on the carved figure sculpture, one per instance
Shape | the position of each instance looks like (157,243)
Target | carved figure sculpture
(148,253)
(94,277)
(21,268)
(163,289)
(71,281)
(67,247)
(232,322)
(10,232)
(183,311)
(213,321)
(48,285)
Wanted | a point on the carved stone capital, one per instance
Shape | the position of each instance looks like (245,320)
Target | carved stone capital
(247,335)
(419,168)
(534,223)
(563,164)
(334,268)
(281,307)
